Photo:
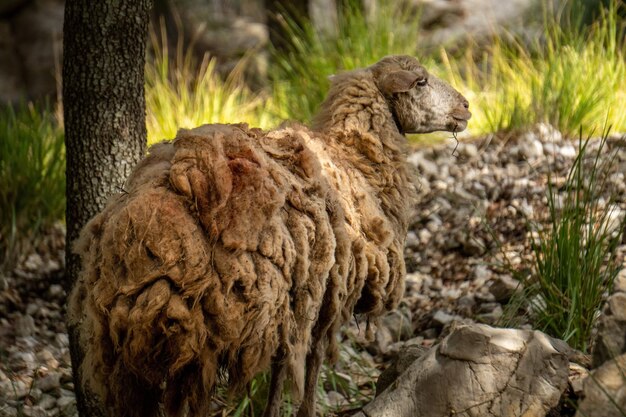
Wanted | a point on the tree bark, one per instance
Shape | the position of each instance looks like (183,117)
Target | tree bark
(104,46)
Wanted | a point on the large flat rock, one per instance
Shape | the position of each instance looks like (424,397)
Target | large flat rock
(482,371)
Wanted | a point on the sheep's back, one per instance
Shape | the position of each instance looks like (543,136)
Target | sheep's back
(220,252)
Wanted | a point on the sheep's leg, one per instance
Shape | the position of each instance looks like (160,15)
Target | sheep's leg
(279,374)
(314,361)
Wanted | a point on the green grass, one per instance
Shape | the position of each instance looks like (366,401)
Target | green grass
(301,73)
(32,177)
(182,94)
(332,377)
(574,77)
(575,257)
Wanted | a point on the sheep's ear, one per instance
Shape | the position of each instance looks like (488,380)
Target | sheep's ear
(399,82)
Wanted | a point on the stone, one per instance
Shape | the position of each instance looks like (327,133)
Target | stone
(22,361)
(604,391)
(32,309)
(34,411)
(405,357)
(16,389)
(33,262)
(576,378)
(529,147)
(425,166)
(47,358)
(47,401)
(492,372)
(567,151)
(56,291)
(441,318)
(34,394)
(65,402)
(610,339)
(620,281)
(49,382)
(8,411)
(492,316)
(468,150)
(25,326)
(614,220)
(399,323)
(466,304)
(62,340)
(395,326)
(617,306)
(335,400)
(504,287)
(481,274)
(412,240)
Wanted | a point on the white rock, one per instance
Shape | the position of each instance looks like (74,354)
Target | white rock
(514,373)
(441,318)
(468,150)
(62,340)
(530,148)
(568,151)
(481,274)
(56,290)
(604,391)
(33,262)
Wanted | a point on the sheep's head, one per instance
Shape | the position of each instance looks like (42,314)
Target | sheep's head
(419,101)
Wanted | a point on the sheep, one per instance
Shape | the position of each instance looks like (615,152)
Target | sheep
(233,250)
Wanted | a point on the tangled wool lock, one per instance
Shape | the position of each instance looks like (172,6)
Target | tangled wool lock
(234,250)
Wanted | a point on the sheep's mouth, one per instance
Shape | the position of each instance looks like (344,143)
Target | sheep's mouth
(460,120)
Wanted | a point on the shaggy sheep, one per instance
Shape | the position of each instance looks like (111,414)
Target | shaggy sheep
(233,249)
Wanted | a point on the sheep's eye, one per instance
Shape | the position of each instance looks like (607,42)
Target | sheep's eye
(422,82)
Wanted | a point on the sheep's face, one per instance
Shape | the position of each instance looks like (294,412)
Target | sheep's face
(419,101)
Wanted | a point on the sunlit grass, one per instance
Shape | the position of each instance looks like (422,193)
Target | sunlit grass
(181,94)
(574,77)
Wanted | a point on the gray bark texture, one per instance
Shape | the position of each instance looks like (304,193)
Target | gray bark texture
(104,45)
(479,371)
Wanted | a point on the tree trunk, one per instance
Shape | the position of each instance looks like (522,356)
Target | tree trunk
(104,46)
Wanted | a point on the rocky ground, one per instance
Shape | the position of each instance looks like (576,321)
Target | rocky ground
(472,219)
